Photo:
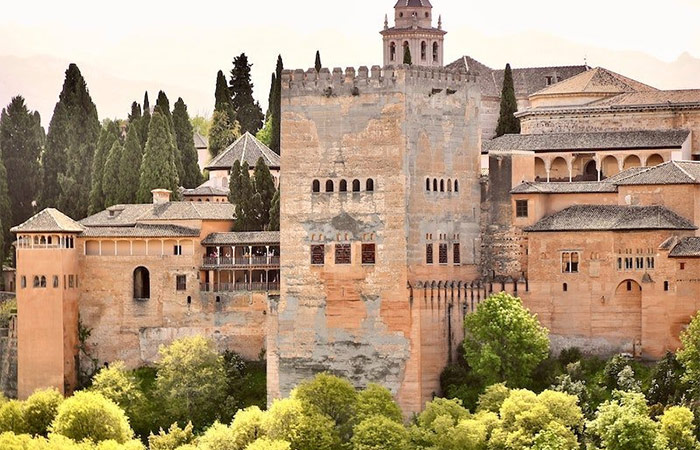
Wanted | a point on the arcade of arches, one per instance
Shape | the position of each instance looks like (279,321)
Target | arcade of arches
(589,167)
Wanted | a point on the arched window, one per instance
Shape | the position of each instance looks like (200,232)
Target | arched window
(423,50)
(456,186)
(23,282)
(316,186)
(43,281)
(392,51)
(142,284)
(427,184)
(343,186)
(435,51)
(369,186)
(356,185)
(329,186)
(55,281)
(36,282)
(449,185)
(435,185)
(442,185)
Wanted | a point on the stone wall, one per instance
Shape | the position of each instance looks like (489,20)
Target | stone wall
(8,359)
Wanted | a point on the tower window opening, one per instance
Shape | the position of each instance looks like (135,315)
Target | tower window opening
(423,50)
(329,186)
(392,51)
(442,185)
(427,184)
(343,186)
(435,52)
(316,186)
(565,287)
(142,284)
(369,185)
(36,282)
(666,286)
(456,186)
(428,253)
(356,185)
(435,188)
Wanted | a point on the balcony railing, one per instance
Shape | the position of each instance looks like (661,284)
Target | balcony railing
(213,261)
(240,287)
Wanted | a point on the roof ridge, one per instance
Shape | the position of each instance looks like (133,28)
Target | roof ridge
(683,170)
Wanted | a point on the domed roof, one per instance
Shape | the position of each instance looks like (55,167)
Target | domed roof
(413,4)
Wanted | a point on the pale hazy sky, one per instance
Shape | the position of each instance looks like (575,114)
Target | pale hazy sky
(128,46)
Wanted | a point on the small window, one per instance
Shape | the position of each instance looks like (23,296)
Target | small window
(565,287)
(71,281)
(428,253)
(318,255)
(343,186)
(392,51)
(650,262)
(521,208)
(548,80)
(423,48)
(456,257)
(177,250)
(449,185)
(629,263)
(427,184)
(629,285)
(55,281)
(316,186)
(639,263)
(368,253)
(342,254)
(435,52)
(142,283)
(443,253)
(23,282)
(666,286)
(43,281)
(456,186)
(570,262)
(369,185)
(682,266)
(189,300)
(329,186)
(181,282)
(442,185)
(435,185)
(356,185)
(36,282)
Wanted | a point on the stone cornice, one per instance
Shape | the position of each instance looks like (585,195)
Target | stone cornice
(608,109)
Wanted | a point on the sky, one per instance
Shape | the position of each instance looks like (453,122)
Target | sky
(126,47)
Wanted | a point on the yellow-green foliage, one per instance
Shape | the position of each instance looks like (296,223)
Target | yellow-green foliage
(247,426)
(12,417)
(174,438)
(218,437)
(376,400)
(303,427)
(380,433)
(11,441)
(333,396)
(40,410)
(118,385)
(268,444)
(677,427)
(493,397)
(90,416)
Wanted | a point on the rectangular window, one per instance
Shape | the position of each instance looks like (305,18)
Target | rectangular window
(368,253)
(521,208)
(318,255)
(55,281)
(181,282)
(428,253)
(443,253)
(619,263)
(342,254)
(629,263)
(570,262)
(71,281)
(456,257)
(177,250)
(639,263)
(682,266)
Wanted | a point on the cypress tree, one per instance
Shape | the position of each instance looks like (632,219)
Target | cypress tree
(135,114)
(111,185)
(244,216)
(184,138)
(163,106)
(275,108)
(158,169)
(53,158)
(221,133)
(21,141)
(247,111)
(317,64)
(271,96)
(234,183)
(265,187)
(222,96)
(145,120)
(507,122)
(83,133)
(130,166)
(275,212)
(108,136)
(407,55)
(5,213)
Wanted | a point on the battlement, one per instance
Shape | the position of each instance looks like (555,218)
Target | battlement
(390,78)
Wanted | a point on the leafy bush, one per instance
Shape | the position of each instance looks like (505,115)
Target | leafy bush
(40,410)
(268,444)
(303,427)
(677,428)
(174,438)
(493,397)
(570,355)
(90,416)
(247,426)
(7,309)
(441,407)
(380,433)
(332,396)
(666,384)
(376,400)
(12,417)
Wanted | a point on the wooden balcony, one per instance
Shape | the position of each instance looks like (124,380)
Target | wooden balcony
(267,262)
(240,287)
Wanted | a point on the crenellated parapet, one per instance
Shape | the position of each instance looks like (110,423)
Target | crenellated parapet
(355,82)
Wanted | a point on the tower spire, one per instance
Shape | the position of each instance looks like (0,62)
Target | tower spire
(386,21)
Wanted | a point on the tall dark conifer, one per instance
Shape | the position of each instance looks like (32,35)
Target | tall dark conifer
(145,121)
(111,185)
(5,214)
(21,142)
(74,182)
(318,64)
(108,136)
(135,114)
(274,224)
(222,97)
(264,186)
(507,122)
(244,219)
(234,183)
(221,133)
(247,111)
(163,107)
(276,107)
(130,166)
(184,138)
(158,169)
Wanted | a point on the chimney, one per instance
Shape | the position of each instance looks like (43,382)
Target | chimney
(161,196)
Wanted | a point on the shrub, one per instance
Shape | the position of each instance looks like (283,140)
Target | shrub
(268,444)
(247,426)
(666,385)
(677,428)
(88,415)
(379,433)
(304,428)
(613,367)
(376,400)
(493,397)
(174,438)
(219,437)
(118,385)
(332,396)
(40,410)
(451,409)
(570,355)
(12,417)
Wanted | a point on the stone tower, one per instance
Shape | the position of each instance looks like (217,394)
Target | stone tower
(413,29)
(47,303)
(380,213)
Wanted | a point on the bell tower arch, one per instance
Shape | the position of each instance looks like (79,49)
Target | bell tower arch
(413,28)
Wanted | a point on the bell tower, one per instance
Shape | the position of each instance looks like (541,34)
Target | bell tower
(413,28)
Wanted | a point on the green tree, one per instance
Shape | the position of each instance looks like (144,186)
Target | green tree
(503,341)
(145,121)
(677,427)
(265,133)
(269,444)
(317,63)
(407,55)
(201,125)
(507,122)
(174,438)
(247,426)
(275,107)
(244,196)
(442,407)
(191,380)
(380,433)
(12,417)
(5,213)
(264,186)
(247,111)
(118,385)
(275,212)
(222,133)
(184,137)
(90,416)
(304,428)
(53,158)
(40,410)
(130,166)
(332,396)
(235,183)
(135,114)
(111,185)
(222,97)
(376,400)
(158,170)
(163,107)
(493,397)
(689,354)
(21,142)
(108,136)
(666,386)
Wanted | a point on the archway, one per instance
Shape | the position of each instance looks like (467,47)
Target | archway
(142,284)
(590,171)
(559,170)
(631,161)
(540,170)
(610,166)
(654,160)
(620,318)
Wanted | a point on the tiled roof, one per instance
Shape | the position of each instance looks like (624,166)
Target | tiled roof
(579,187)
(205,190)
(677,97)
(413,3)
(598,81)
(624,174)
(200,141)
(142,230)
(686,247)
(248,237)
(129,215)
(612,217)
(246,148)
(672,172)
(49,220)
(607,140)
(525,80)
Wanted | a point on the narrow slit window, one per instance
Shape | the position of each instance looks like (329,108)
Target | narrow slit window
(456,257)
(428,253)
(443,253)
